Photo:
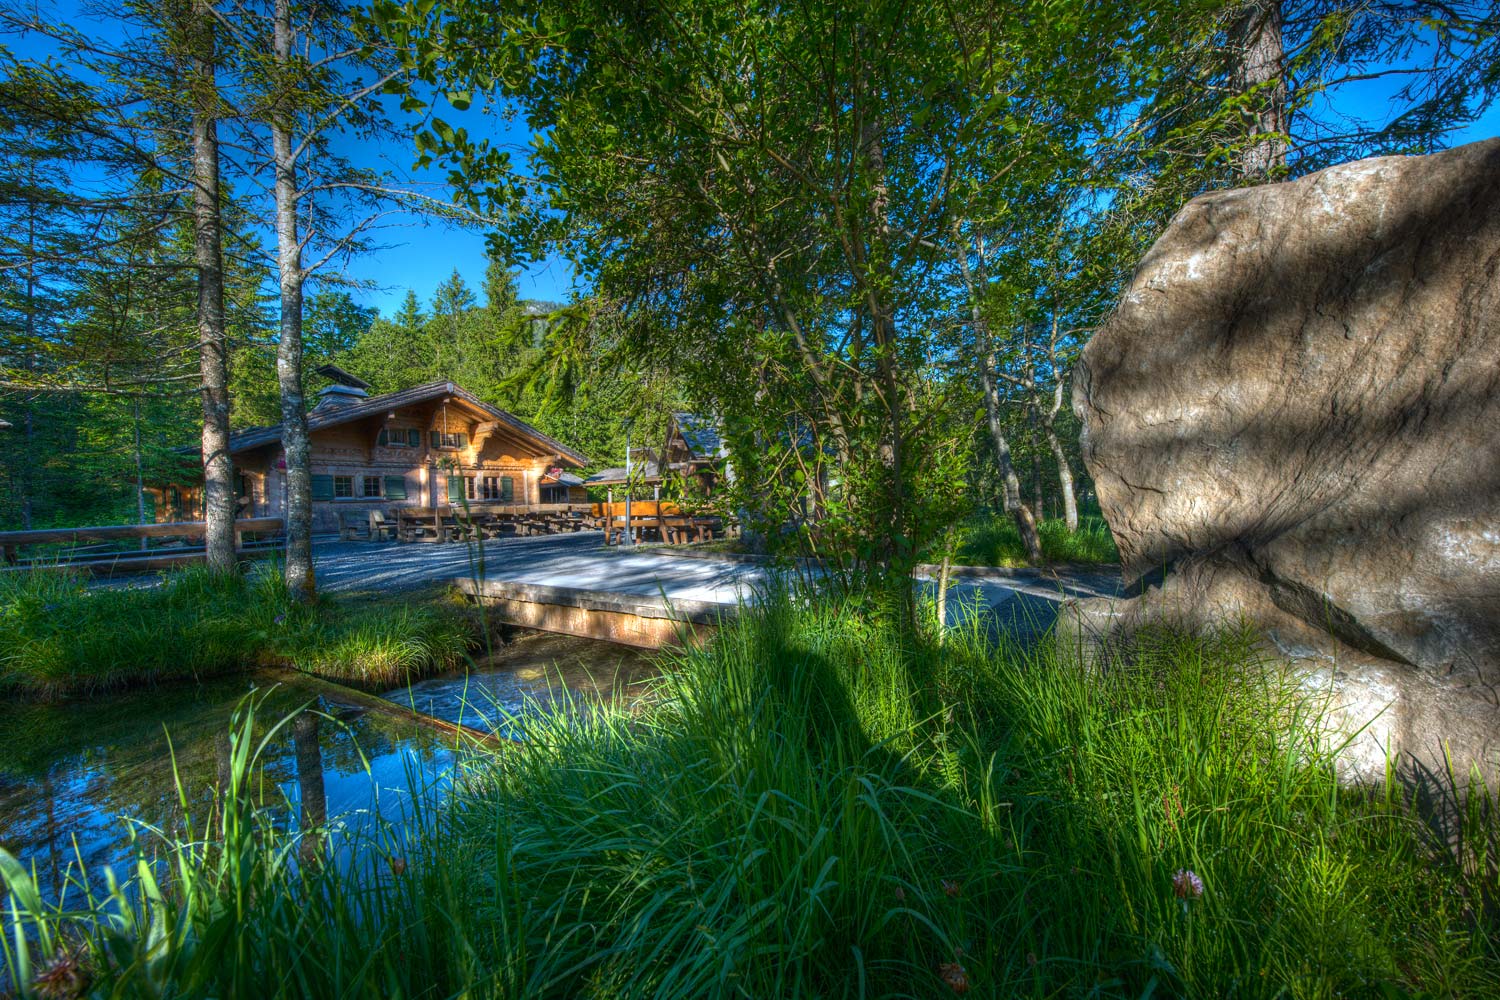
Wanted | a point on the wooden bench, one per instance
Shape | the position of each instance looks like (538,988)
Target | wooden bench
(381,527)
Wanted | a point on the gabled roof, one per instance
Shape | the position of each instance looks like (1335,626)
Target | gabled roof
(324,417)
(640,472)
(699,433)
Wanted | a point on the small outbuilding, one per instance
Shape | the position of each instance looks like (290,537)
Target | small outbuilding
(694,452)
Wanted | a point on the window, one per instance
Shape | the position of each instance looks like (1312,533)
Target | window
(470,488)
(400,437)
(372,487)
(498,488)
(343,487)
(441,439)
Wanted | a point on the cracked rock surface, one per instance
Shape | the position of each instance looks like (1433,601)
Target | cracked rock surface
(1293,417)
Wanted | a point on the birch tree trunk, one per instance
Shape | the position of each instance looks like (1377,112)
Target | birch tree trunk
(1049,426)
(213,342)
(1036,487)
(1025,523)
(300,579)
(1064,479)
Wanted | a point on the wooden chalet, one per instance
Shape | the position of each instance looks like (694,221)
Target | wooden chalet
(694,452)
(430,446)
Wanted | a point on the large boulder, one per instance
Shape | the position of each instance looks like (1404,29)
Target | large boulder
(1293,419)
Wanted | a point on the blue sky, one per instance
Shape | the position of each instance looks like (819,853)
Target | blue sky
(418,253)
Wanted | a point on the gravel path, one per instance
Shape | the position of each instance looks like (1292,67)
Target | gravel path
(1021,602)
(573,560)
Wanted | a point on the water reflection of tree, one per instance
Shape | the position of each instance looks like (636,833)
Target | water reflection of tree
(74,769)
(311,793)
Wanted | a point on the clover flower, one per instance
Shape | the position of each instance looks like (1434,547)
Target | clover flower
(1186,884)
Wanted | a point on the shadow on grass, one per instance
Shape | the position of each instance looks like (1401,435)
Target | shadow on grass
(821,804)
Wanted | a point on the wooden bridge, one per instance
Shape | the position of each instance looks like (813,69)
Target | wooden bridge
(629,619)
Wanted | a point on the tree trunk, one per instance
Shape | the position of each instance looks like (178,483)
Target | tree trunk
(1262,70)
(28,486)
(300,580)
(140,479)
(213,342)
(1064,480)
(1036,487)
(310,786)
(1025,523)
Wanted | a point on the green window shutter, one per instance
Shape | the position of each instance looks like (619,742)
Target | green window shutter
(382,438)
(507,488)
(436,437)
(322,487)
(463,440)
(455,489)
(413,438)
(395,487)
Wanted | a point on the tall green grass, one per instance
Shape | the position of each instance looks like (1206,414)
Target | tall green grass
(61,638)
(821,805)
(993,540)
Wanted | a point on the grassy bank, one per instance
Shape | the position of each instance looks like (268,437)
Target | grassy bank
(59,638)
(818,807)
(993,540)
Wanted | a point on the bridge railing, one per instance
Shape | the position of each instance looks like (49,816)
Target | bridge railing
(66,546)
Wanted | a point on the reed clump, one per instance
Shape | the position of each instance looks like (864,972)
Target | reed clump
(61,638)
(821,804)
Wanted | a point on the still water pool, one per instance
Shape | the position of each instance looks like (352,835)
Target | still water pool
(73,776)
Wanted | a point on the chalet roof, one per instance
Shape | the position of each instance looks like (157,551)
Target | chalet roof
(640,472)
(699,433)
(322,418)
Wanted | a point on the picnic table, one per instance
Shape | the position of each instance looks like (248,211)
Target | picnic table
(481,520)
(424,524)
(664,519)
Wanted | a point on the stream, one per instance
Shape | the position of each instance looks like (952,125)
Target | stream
(75,775)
